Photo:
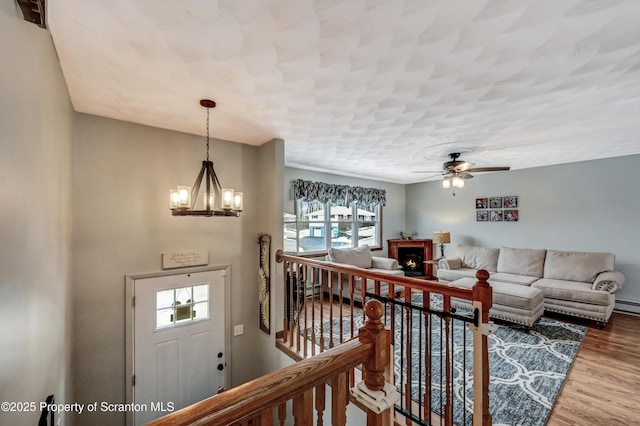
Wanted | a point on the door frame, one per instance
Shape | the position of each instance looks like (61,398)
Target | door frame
(130,323)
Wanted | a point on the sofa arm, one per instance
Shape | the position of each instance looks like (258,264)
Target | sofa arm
(450,263)
(610,281)
(384,263)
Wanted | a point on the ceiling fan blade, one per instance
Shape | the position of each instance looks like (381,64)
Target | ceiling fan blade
(464,167)
(465,175)
(428,171)
(489,169)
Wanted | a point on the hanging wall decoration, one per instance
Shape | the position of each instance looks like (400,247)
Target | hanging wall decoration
(496,205)
(264,282)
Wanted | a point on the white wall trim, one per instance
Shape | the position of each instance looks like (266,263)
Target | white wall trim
(627,307)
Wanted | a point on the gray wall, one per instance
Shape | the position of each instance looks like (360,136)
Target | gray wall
(585,206)
(393,217)
(36,148)
(122,225)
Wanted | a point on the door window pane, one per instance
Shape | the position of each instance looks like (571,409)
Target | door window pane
(200,293)
(180,305)
(164,299)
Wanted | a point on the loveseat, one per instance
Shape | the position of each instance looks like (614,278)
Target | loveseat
(581,284)
(361,257)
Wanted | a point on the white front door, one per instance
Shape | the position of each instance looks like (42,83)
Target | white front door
(179,341)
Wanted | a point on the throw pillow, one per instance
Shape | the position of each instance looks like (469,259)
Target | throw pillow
(359,256)
(478,257)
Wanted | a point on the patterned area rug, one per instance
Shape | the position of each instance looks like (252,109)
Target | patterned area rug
(527,369)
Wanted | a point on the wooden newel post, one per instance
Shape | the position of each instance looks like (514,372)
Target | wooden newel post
(482,294)
(374,332)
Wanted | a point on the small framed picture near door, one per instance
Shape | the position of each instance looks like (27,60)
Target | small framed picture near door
(482,216)
(495,202)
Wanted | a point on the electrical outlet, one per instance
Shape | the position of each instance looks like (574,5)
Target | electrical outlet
(238,330)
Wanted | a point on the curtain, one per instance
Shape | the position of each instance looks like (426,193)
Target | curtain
(341,195)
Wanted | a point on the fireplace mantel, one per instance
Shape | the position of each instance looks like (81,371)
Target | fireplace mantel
(427,253)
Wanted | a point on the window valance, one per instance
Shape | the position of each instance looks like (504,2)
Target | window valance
(341,195)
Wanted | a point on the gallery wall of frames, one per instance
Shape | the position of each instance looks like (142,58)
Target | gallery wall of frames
(497,209)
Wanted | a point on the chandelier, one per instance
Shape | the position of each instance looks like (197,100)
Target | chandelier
(216,201)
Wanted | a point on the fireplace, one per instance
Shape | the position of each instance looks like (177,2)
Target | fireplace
(411,255)
(411,259)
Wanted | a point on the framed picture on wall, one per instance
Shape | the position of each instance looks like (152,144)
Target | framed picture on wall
(482,216)
(495,202)
(496,215)
(510,215)
(482,203)
(510,202)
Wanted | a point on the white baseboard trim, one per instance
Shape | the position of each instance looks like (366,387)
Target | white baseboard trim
(627,307)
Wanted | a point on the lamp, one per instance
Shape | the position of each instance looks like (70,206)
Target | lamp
(441,238)
(182,200)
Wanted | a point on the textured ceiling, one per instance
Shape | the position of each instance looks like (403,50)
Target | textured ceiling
(376,89)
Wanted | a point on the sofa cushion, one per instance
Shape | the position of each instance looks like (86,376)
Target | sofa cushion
(508,294)
(576,266)
(503,277)
(577,292)
(478,257)
(359,256)
(447,275)
(521,261)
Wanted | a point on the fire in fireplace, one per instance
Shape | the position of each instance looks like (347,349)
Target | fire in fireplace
(410,258)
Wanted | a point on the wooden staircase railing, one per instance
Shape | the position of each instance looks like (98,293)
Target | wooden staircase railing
(309,317)
(259,401)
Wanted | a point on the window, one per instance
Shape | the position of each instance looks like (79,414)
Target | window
(179,305)
(319,221)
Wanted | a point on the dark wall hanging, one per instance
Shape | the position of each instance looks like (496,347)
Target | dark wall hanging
(264,282)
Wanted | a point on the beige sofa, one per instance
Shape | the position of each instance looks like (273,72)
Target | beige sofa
(361,257)
(581,284)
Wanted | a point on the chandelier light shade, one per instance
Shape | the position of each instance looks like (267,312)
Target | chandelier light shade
(442,238)
(216,201)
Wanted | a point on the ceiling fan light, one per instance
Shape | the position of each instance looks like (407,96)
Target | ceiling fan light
(457,182)
(446,183)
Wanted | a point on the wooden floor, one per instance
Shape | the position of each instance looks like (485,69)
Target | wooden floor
(603,385)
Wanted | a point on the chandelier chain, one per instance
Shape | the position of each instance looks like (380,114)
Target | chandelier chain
(208,133)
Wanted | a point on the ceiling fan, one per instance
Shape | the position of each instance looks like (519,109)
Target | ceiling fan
(455,171)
